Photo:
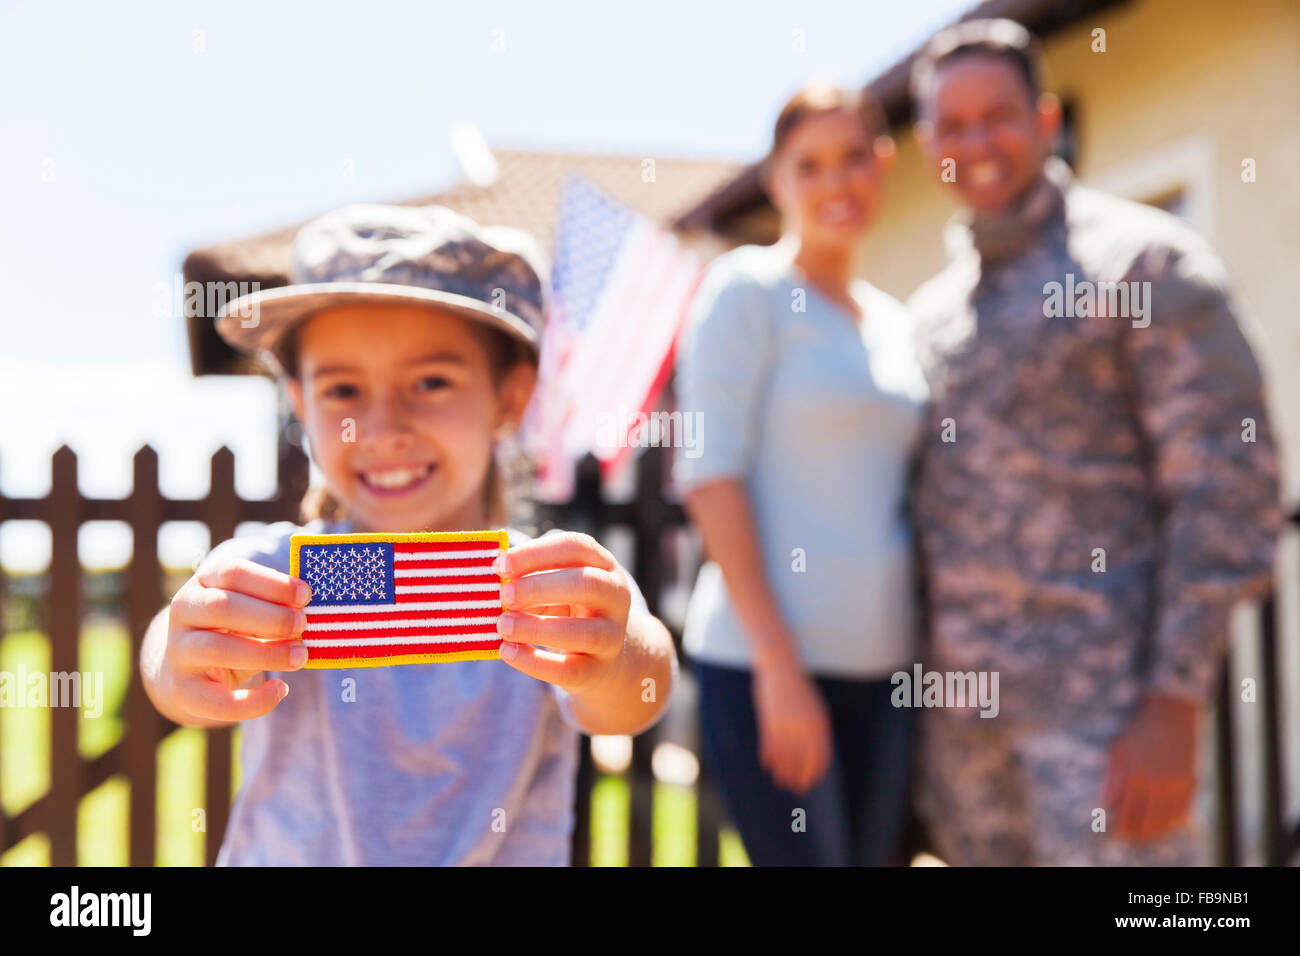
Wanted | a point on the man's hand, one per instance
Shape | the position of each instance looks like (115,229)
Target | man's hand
(1151,777)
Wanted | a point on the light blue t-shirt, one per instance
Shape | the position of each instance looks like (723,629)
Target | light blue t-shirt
(820,418)
(466,763)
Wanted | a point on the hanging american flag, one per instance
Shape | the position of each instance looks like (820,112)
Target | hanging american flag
(621,286)
(380,599)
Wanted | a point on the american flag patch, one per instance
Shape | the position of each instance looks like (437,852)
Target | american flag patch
(381,599)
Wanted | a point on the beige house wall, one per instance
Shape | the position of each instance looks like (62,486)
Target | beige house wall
(1183,94)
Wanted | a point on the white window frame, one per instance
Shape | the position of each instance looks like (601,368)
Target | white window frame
(1184,165)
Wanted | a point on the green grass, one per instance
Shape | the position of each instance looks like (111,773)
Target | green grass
(103,813)
(102,834)
(672,827)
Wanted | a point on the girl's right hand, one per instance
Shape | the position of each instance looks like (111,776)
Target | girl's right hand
(794,727)
(229,622)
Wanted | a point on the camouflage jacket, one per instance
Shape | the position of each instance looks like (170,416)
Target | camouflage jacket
(1099,482)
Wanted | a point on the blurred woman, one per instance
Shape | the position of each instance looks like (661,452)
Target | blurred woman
(809,402)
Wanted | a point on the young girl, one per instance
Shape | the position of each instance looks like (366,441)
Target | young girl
(407,346)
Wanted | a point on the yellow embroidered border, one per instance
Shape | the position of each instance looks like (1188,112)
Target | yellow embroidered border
(502,539)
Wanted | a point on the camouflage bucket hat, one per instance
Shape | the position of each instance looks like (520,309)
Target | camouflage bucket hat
(399,254)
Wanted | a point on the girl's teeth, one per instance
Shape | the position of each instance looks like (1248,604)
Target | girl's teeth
(397,478)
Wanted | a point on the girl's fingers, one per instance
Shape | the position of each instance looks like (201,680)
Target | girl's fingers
(590,587)
(597,636)
(553,610)
(570,671)
(213,701)
(216,609)
(192,649)
(568,550)
(255,580)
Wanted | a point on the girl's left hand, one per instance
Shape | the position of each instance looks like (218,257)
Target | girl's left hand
(563,591)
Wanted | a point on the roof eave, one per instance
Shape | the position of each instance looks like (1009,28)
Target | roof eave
(893,90)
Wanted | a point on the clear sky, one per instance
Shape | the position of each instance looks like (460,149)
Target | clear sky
(133,133)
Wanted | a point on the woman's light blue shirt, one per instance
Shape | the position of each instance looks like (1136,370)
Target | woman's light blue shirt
(819,417)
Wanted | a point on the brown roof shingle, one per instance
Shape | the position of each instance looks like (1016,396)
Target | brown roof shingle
(525,194)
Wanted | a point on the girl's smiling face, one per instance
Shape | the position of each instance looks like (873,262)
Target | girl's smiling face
(401,404)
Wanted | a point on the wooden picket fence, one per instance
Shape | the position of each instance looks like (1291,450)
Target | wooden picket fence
(145,510)
(647,516)
(134,756)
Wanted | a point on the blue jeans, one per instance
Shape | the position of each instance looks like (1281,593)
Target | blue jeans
(854,816)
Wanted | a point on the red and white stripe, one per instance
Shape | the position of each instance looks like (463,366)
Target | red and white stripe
(623,358)
(446,598)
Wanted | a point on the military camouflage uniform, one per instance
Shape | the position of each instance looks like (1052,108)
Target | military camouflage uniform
(1067,435)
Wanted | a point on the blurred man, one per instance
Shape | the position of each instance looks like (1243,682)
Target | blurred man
(1098,487)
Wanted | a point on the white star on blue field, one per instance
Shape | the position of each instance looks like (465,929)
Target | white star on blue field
(348,574)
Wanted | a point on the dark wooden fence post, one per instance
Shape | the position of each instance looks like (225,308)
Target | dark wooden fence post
(144,596)
(1226,774)
(219,510)
(649,515)
(586,513)
(580,842)
(647,568)
(292,469)
(1275,842)
(708,816)
(63,602)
